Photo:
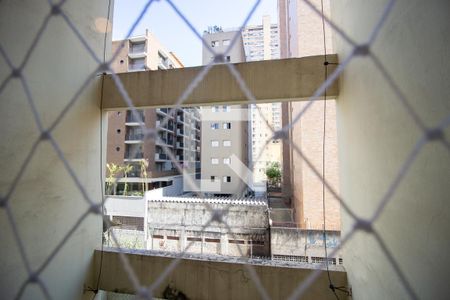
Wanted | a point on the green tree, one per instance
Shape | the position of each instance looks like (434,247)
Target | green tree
(126,169)
(144,166)
(113,171)
(273,173)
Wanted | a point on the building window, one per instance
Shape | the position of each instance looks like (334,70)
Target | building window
(137,47)
(214,125)
(227,143)
(226,178)
(214,144)
(118,130)
(136,64)
(213,178)
(226,108)
(228,58)
(215,109)
(117,149)
(214,161)
(227,125)
(226,161)
(215,43)
(226,42)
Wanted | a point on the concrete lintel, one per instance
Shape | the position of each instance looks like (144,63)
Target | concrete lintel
(271,80)
(202,279)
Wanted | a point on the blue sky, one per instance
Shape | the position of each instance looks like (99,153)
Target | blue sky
(174,34)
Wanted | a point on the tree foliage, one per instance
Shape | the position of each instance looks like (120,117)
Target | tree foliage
(113,175)
(273,173)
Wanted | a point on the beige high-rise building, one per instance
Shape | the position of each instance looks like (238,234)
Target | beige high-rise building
(126,144)
(301,34)
(262,42)
(224,130)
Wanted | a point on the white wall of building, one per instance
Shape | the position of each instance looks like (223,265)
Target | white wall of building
(46,203)
(376,135)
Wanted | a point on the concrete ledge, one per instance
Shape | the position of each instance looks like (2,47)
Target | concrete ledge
(271,80)
(214,279)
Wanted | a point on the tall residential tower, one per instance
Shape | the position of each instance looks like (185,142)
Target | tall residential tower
(225,128)
(262,42)
(180,134)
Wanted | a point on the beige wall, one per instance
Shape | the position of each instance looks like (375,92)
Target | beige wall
(116,137)
(216,280)
(238,135)
(120,63)
(236,53)
(46,203)
(307,187)
(304,33)
(376,134)
(307,33)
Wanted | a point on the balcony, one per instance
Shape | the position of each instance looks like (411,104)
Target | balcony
(137,64)
(137,50)
(134,173)
(164,112)
(131,138)
(164,141)
(161,157)
(134,119)
(163,61)
(180,119)
(167,127)
(137,67)
(129,157)
(138,38)
(180,132)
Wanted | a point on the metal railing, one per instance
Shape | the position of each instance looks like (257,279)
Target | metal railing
(134,137)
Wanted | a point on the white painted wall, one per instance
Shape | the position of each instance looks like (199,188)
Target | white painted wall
(125,206)
(46,203)
(176,189)
(376,134)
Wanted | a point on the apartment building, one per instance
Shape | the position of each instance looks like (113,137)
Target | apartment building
(180,133)
(301,34)
(224,130)
(262,42)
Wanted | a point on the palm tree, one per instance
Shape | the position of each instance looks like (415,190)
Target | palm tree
(111,180)
(144,166)
(126,169)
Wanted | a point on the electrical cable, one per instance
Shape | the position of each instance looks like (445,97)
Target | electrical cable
(332,287)
(325,63)
(101,152)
